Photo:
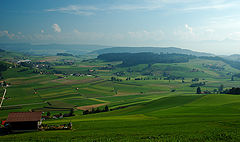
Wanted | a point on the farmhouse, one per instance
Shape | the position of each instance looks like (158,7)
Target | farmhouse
(24,120)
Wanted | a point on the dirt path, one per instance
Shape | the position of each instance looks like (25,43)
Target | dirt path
(3,97)
(89,107)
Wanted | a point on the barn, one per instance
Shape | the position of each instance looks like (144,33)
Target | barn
(24,120)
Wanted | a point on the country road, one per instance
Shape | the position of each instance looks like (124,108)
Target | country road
(5,91)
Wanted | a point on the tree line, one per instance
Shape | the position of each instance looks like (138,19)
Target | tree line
(98,110)
(131,59)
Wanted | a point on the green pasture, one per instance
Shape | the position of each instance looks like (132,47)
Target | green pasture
(154,110)
(172,118)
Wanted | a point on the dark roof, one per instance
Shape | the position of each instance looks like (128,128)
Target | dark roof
(24,116)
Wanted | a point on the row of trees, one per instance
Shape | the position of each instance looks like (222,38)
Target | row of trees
(98,110)
(116,79)
(235,91)
(219,90)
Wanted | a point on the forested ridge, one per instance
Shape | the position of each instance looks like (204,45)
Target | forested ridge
(131,59)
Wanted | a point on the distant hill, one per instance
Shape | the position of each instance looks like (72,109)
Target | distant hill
(150,49)
(234,57)
(78,49)
(50,49)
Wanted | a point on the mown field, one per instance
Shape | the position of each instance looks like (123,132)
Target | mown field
(155,109)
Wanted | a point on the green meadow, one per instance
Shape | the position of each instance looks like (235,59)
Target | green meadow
(146,110)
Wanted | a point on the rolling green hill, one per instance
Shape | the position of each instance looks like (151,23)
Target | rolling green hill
(176,118)
(157,103)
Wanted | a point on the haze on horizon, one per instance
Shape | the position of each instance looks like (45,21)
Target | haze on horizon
(200,25)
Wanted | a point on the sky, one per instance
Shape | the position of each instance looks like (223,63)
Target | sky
(201,25)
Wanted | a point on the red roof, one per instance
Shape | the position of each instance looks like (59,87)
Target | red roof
(3,122)
(24,116)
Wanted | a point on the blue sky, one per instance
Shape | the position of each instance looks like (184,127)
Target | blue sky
(201,25)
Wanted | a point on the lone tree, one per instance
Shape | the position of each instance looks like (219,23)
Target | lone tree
(106,108)
(199,90)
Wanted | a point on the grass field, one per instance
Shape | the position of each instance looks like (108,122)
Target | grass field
(174,118)
(154,109)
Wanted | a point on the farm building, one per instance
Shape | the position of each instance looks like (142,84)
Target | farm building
(24,120)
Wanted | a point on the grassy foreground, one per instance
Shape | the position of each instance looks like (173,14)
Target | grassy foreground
(174,118)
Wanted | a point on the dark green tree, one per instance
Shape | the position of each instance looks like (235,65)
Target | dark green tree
(199,90)
(106,108)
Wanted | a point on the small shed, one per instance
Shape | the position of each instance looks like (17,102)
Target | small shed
(24,120)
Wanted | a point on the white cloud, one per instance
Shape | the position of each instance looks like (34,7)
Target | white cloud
(135,7)
(42,31)
(147,5)
(190,29)
(56,28)
(75,9)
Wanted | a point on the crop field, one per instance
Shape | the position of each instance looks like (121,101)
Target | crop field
(144,108)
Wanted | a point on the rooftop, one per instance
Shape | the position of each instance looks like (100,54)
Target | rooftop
(24,116)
